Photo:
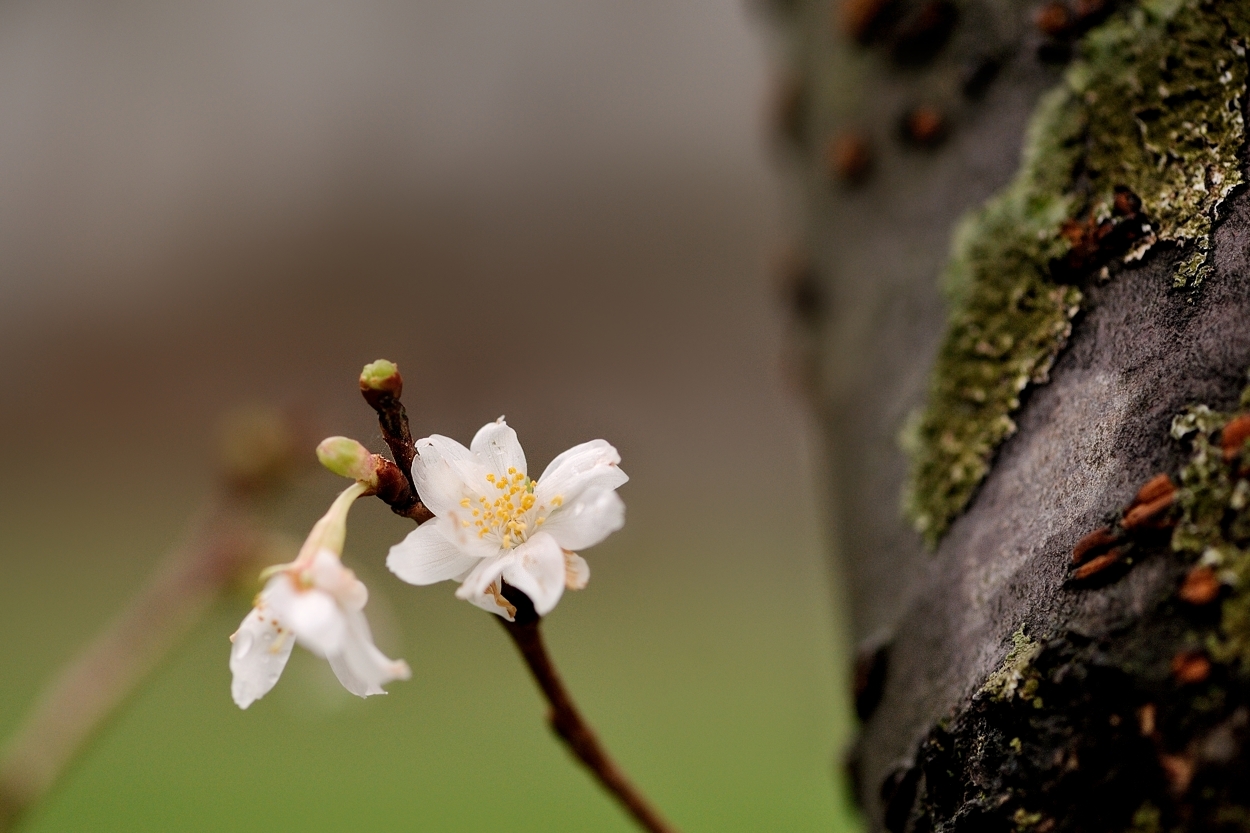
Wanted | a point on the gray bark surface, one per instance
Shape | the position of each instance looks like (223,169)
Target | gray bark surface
(1139,353)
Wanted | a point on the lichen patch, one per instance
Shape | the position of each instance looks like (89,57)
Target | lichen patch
(1016,676)
(1214,527)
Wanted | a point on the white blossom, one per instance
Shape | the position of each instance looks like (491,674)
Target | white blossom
(319,603)
(493,522)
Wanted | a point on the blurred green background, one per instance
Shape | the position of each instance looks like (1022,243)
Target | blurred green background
(562,211)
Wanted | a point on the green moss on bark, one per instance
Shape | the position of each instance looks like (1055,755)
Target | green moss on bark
(1016,677)
(1214,528)
(1152,107)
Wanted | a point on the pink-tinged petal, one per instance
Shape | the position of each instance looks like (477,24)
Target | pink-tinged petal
(576,571)
(444,472)
(498,449)
(329,574)
(258,654)
(595,464)
(360,666)
(426,556)
(587,520)
(537,570)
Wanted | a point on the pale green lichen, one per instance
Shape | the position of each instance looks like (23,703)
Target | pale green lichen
(1153,104)
(1164,87)
(1147,819)
(1016,676)
(1214,526)
(1024,820)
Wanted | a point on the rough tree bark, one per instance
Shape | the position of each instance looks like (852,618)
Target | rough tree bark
(996,388)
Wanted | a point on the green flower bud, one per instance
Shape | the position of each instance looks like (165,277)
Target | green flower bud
(381,375)
(348,458)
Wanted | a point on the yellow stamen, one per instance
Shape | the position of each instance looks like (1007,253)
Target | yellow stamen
(512,511)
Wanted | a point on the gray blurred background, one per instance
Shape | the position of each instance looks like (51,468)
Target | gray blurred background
(564,211)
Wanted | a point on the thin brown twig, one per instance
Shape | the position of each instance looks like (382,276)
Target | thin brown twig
(381,386)
(567,722)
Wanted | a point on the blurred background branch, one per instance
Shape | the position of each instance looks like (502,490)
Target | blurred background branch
(223,545)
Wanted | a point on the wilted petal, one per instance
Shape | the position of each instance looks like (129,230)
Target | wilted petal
(498,449)
(576,571)
(444,471)
(329,574)
(590,465)
(537,570)
(492,601)
(426,556)
(359,665)
(259,653)
(318,623)
(587,520)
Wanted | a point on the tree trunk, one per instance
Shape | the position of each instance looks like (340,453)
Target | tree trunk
(1024,295)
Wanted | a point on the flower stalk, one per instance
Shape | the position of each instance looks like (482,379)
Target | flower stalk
(567,722)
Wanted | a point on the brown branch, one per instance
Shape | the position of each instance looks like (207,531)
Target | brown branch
(381,386)
(567,722)
(394,490)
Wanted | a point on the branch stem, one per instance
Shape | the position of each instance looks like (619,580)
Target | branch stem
(572,728)
(396,487)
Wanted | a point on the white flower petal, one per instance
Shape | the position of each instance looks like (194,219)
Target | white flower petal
(483,575)
(444,472)
(257,657)
(537,570)
(587,520)
(319,624)
(329,574)
(466,538)
(426,556)
(360,666)
(497,448)
(576,571)
(590,465)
